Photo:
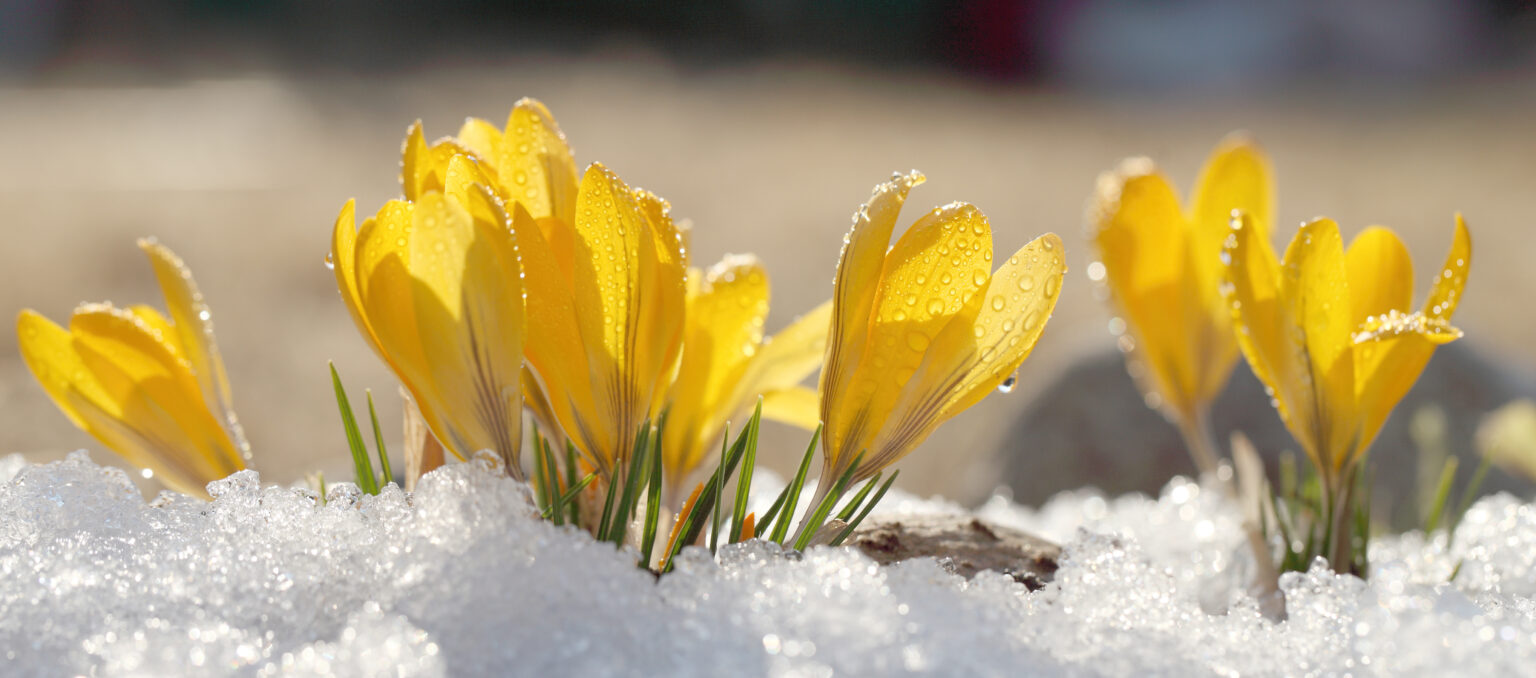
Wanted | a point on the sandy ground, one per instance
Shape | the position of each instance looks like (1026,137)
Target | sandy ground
(244,176)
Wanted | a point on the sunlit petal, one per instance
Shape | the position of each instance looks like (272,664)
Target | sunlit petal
(1269,332)
(858,273)
(724,327)
(193,323)
(534,164)
(796,406)
(1380,274)
(1393,349)
(1144,244)
(444,297)
(1317,288)
(936,267)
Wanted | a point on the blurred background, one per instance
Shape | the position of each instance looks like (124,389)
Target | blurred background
(234,131)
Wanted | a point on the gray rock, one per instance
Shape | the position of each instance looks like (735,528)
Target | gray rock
(1091,427)
(968,545)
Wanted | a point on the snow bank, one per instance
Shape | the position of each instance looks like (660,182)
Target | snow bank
(461,579)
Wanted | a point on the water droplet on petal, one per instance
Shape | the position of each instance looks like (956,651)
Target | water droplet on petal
(1008,384)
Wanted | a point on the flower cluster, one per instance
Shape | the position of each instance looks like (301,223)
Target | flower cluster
(505,283)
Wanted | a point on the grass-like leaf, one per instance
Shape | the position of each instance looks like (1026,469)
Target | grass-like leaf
(388,474)
(363,465)
(573,510)
(854,524)
(695,514)
(542,490)
(1442,494)
(853,504)
(653,496)
(767,522)
(792,499)
(633,478)
(744,482)
(568,499)
(719,490)
(818,516)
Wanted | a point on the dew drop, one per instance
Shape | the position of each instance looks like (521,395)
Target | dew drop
(917,341)
(944,279)
(1050,286)
(935,306)
(330,261)
(1008,384)
(979,278)
(998,303)
(1026,284)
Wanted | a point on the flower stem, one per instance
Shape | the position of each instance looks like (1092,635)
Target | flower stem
(1200,441)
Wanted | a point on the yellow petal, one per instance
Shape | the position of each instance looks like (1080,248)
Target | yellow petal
(193,323)
(796,406)
(1393,350)
(663,298)
(1236,176)
(858,275)
(1316,285)
(929,276)
(480,138)
(50,353)
(1269,334)
(534,163)
(554,350)
(1145,245)
(160,327)
(724,326)
(788,357)
(444,297)
(1019,301)
(977,351)
(611,240)
(424,168)
(154,394)
(1445,295)
(1380,274)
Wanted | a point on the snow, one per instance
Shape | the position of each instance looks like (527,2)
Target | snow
(461,579)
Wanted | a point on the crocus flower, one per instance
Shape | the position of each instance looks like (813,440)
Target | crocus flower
(606,293)
(926,330)
(1161,264)
(726,364)
(151,388)
(1330,331)
(603,267)
(434,285)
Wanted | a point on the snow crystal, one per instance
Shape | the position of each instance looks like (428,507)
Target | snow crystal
(460,578)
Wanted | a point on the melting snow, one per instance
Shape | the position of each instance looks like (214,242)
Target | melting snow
(461,579)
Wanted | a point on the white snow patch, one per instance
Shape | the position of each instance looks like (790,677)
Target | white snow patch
(461,579)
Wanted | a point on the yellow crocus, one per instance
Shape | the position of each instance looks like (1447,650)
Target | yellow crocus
(151,388)
(726,364)
(1161,264)
(926,330)
(1330,331)
(603,265)
(606,294)
(434,285)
